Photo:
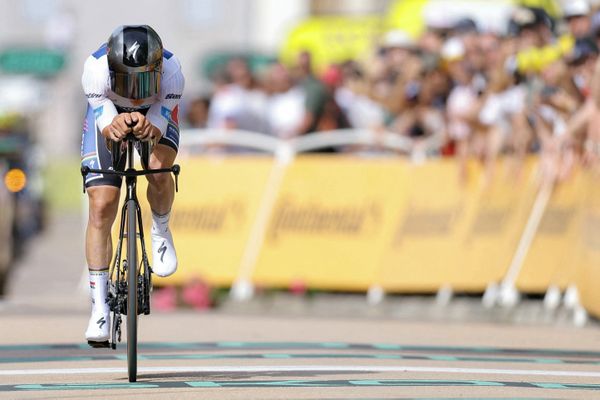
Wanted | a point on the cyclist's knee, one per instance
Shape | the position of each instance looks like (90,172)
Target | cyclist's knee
(160,180)
(162,157)
(104,201)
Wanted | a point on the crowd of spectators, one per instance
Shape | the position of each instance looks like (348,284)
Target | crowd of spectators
(476,92)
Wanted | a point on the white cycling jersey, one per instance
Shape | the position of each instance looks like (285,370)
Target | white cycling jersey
(160,110)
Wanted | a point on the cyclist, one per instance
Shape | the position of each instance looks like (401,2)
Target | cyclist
(132,85)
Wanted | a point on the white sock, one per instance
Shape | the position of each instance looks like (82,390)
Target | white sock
(160,223)
(99,290)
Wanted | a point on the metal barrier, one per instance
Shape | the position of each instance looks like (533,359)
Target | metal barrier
(204,138)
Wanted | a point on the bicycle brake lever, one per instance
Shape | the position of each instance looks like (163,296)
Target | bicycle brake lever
(176,169)
(84,173)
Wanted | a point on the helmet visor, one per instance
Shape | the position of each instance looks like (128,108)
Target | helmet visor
(135,85)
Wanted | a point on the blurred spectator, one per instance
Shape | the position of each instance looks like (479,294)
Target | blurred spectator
(353,97)
(197,112)
(503,114)
(285,105)
(316,95)
(333,117)
(240,102)
(463,102)
(576,13)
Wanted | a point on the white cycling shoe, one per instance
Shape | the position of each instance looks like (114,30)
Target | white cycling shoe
(164,258)
(98,329)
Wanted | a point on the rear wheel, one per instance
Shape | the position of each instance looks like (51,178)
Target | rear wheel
(132,291)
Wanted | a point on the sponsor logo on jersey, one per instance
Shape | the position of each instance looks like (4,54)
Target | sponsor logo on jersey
(166,113)
(172,96)
(93,95)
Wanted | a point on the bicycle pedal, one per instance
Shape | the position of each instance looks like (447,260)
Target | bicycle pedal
(99,345)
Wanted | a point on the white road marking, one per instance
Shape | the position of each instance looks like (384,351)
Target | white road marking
(301,368)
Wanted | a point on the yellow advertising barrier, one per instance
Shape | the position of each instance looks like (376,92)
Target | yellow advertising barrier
(348,223)
(332,220)
(588,254)
(461,236)
(212,216)
(551,259)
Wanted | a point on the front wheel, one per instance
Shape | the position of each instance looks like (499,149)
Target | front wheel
(132,291)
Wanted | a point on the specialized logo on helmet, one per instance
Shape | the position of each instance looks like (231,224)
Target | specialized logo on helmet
(132,52)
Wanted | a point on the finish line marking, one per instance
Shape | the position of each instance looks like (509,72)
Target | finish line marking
(296,384)
(320,345)
(301,368)
(247,356)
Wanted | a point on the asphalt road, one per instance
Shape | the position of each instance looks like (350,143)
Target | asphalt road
(282,346)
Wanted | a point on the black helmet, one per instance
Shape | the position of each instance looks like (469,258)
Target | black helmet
(135,54)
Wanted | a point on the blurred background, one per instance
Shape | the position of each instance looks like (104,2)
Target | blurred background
(425,147)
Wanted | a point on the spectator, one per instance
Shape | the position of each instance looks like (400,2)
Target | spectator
(240,103)
(314,92)
(463,102)
(285,105)
(333,117)
(576,14)
(353,97)
(197,112)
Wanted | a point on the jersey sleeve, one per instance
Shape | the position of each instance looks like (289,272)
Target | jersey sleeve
(95,86)
(161,113)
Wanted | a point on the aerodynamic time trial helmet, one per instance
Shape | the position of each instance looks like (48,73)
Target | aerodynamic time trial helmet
(135,54)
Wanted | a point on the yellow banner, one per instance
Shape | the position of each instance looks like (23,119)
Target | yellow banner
(457,235)
(347,223)
(333,39)
(332,220)
(550,260)
(588,254)
(212,216)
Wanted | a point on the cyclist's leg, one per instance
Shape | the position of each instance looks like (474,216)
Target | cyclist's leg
(103,194)
(161,192)
(103,205)
(161,187)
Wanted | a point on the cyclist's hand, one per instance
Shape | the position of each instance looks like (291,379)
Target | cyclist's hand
(142,128)
(119,128)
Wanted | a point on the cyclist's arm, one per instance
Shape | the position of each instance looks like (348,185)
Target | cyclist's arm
(95,84)
(162,113)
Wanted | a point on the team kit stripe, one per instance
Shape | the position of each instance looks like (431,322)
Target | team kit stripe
(101,51)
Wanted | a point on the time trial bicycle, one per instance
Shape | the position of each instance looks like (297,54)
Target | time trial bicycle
(130,277)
